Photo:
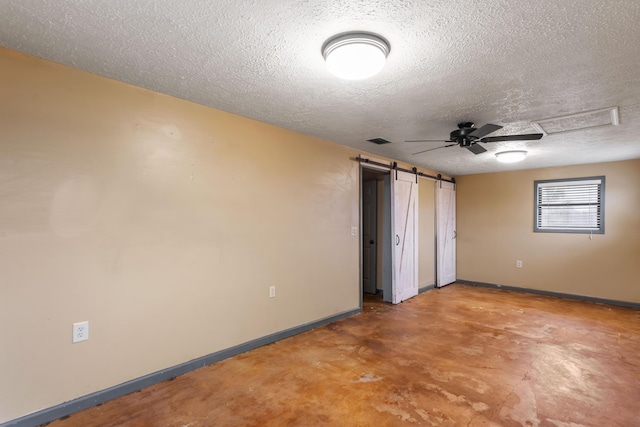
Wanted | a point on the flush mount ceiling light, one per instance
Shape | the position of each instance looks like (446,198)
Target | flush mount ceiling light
(511,156)
(355,56)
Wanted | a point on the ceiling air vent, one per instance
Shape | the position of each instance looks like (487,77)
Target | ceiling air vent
(578,121)
(379,141)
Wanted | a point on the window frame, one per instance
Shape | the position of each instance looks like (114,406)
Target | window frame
(536,205)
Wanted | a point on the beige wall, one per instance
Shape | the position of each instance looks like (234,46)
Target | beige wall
(162,223)
(495,227)
(426,230)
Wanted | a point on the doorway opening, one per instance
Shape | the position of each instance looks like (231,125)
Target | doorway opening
(376,234)
(389,221)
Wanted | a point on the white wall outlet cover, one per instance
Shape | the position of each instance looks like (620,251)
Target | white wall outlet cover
(80,331)
(354,231)
(272,291)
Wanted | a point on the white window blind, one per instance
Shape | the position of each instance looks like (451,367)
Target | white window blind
(570,206)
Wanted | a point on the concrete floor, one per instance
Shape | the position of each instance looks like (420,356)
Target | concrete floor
(457,356)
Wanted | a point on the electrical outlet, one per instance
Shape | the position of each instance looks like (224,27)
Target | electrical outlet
(519,263)
(354,231)
(272,291)
(80,331)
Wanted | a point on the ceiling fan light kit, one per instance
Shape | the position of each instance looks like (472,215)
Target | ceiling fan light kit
(511,156)
(355,55)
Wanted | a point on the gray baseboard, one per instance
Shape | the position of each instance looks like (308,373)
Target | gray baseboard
(64,409)
(426,288)
(552,294)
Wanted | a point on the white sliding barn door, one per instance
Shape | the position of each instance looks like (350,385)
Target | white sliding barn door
(404,190)
(446,233)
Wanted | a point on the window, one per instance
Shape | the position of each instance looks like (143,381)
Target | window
(569,205)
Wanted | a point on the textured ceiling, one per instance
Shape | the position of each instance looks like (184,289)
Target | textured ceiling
(487,61)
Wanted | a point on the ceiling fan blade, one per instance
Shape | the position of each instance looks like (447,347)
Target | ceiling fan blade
(484,130)
(431,149)
(526,137)
(476,149)
(429,140)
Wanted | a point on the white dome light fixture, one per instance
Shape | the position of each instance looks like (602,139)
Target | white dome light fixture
(511,156)
(355,56)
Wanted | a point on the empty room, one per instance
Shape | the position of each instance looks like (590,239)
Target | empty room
(322,213)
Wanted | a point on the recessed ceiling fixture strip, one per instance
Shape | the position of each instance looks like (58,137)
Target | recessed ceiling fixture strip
(578,121)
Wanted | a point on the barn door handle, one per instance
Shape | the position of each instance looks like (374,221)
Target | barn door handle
(397,240)
(455,234)
(371,242)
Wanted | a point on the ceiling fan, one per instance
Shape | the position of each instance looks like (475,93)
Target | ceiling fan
(468,136)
